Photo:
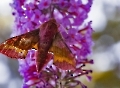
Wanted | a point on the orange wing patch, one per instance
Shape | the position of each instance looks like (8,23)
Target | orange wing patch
(63,57)
(12,51)
(17,47)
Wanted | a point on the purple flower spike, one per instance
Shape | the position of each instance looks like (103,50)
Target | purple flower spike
(70,16)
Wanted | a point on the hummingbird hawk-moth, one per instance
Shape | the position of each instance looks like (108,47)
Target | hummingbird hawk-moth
(45,39)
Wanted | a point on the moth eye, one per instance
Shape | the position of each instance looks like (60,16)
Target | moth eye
(45,42)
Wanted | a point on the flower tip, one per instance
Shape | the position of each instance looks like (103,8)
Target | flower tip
(91,61)
(13,13)
(89,78)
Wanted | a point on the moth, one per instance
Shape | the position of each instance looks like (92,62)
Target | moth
(46,40)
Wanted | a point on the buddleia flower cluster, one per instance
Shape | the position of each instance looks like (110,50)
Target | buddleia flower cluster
(70,14)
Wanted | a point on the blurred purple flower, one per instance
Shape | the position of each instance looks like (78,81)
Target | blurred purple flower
(70,14)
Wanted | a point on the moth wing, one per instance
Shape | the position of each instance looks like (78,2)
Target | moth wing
(63,57)
(17,47)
